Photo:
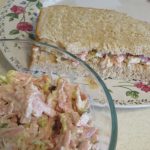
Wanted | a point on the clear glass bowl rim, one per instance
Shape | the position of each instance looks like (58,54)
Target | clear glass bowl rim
(114,122)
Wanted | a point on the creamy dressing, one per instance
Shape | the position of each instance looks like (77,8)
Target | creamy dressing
(130,59)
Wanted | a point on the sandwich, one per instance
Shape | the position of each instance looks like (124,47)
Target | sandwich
(114,44)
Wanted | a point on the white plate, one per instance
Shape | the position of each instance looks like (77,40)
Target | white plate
(124,93)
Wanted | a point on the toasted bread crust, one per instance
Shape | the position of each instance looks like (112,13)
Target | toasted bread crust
(83,29)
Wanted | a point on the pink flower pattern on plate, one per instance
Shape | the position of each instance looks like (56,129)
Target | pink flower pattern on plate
(21,12)
(142,86)
(17,9)
(24,26)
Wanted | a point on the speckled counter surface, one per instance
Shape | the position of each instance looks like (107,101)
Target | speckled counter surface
(133,129)
(133,124)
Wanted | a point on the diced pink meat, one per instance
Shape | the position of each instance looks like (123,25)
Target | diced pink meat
(61,94)
(120,58)
(64,96)
(82,55)
(88,132)
(85,146)
(6,93)
(36,105)
(83,120)
(95,136)
(75,117)
(19,76)
(67,139)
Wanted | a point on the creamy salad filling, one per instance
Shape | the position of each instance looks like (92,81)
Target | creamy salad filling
(38,115)
(110,59)
(118,59)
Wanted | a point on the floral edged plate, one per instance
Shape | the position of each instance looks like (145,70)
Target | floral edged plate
(18,19)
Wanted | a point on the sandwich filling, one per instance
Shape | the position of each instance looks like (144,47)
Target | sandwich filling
(95,56)
(125,66)
(113,59)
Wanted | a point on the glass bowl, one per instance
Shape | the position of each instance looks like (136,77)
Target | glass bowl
(49,59)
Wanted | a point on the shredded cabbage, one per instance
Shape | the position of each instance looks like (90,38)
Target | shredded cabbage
(10,75)
(40,145)
(47,85)
(3,79)
(42,121)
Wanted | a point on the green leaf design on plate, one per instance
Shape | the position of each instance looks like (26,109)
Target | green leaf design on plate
(13,32)
(11,19)
(133,94)
(39,5)
(12,15)
(32,0)
(128,93)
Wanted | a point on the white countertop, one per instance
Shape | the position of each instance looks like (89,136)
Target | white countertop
(133,129)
